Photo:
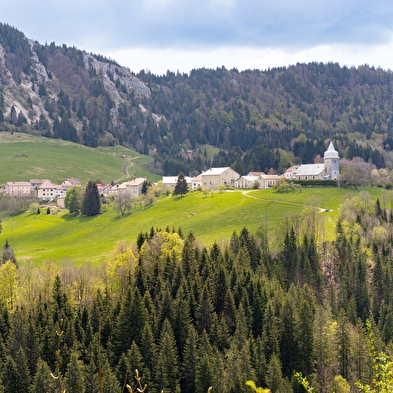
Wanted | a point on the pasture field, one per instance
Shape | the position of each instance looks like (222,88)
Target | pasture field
(63,237)
(24,157)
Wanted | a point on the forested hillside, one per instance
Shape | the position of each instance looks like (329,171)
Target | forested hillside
(189,317)
(255,117)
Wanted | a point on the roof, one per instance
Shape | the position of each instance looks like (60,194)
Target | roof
(251,179)
(271,177)
(37,181)
(256,174)
(331,152)
(292,168)
(169,179)
(136,182)
(198,178)
(18,183)
(215,171)
(310,170)
(47,184)
(73,181)
(173,179)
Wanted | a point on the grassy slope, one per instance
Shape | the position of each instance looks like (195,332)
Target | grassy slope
(57,159)
(65,237)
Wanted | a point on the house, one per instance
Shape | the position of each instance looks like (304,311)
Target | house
(290,172)
(310,172)
(255,174)
(61,190)
(246,181)
(196,182)
(266,181)
(71,182)
(169,182)
(117,189)
(103,189)
(46,191)
(215,176)
(134,187)
(34,183)
(18,188)
(60,201)
(328,170)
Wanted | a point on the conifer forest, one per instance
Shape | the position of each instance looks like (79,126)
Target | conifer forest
(189,317)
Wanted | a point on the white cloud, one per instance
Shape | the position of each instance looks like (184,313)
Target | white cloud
(160,60)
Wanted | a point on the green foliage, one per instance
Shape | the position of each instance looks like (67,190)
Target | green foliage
(181,186)
(317,183)
(91,202)
(73,200)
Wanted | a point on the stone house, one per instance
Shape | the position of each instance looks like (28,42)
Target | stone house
(18,188)
(215,176)
(46,191)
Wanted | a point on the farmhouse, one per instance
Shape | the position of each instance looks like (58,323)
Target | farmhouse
(46,191)
(196,182)
(215,176)
(18,188)
(71,182)
(34,183)
(246,181)
(134,187)
(169,182)
(266,181)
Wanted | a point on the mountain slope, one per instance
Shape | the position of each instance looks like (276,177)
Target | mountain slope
(254,117)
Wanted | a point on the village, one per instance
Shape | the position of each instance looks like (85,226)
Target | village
(212,179)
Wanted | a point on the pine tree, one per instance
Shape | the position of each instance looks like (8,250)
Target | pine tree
(167,374)
(11,378)
(204,312)
(188,380)
(91,203)
(274,379)
(149,351)
(110,384)
(43,381)
(74,378)
(343,342)
(181,318)
(130,321)
(181,186)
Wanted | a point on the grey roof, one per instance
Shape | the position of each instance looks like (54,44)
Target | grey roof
(331,152)
(310,170)
(251,179)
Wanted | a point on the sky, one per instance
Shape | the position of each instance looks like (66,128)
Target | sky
(180,35)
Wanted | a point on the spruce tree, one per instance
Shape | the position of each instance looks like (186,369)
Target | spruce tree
(91,203)
(187,382)
(43,381)
(181,186)
(167,374)
(274,379)
(74,378)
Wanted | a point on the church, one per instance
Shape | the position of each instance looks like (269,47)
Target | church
(328,170)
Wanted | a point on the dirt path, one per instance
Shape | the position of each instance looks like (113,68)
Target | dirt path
(130,164)
(245,193)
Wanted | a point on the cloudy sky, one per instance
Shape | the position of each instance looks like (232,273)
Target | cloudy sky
(184,34)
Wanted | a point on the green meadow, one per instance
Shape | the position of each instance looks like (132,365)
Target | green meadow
(25,157)
(63,237)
